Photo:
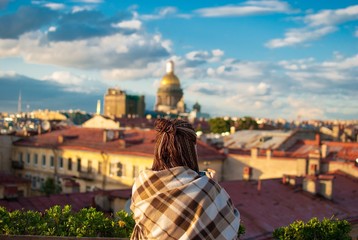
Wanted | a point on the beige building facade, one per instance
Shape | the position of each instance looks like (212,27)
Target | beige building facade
(117,104)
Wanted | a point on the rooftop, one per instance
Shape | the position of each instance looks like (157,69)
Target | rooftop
(247,139)
(129,142)
(76,200)
(277,204)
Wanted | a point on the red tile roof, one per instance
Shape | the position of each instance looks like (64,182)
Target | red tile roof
(132,142)
(278,205)
(76,200)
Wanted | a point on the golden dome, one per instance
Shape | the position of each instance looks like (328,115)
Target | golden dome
(170,79)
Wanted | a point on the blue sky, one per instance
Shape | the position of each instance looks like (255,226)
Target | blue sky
(269,58)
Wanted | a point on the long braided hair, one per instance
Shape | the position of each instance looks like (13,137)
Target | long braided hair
(175,145)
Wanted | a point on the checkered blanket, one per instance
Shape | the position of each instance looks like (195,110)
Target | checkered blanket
(179,204)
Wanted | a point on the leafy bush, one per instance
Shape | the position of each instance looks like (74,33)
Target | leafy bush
(241,231)
(58,221)
(327,229)
(62,221)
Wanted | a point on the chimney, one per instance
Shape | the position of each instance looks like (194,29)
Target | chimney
(60,139)
(326,186)
(310,184)
(259,185)
(122,143)
(105,136)
(246,175)
(39,130)
(324,150)
(254,152)
(318,139)
(268,153)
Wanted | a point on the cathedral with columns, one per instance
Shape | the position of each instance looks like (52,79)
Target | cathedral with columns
(170,97)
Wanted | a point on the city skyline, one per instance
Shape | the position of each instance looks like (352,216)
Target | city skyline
(269,58)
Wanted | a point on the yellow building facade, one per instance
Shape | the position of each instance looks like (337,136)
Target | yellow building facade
(83,159)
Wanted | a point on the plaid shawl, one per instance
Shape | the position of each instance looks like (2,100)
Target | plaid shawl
(179,204)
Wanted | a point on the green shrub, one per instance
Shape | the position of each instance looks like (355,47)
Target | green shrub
(327,229)
(241,231)
(58,221)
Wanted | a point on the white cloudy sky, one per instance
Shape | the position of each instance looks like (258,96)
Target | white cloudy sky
(263,58)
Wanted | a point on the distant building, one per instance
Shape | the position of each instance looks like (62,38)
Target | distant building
(254,155)
(170,94)
(196,113)
(117,103)
(12,187)
(99,121)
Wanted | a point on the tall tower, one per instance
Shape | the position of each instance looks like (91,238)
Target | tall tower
(170,94)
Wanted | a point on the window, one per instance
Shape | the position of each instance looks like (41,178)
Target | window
(43,160)
(52,161)
(36,159)
(28,158)
(121,169)
(69,164)
(135,171)
(99,168)
(89,167)
(78,164)
(33,182)
(112,169)
(20,157)
(60,162)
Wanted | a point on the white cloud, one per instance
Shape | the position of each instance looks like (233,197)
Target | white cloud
(55,6)
(205,56)
(82,8)
(237,70)
(342,63)
(73,82)
(9,48)
(7,74)
(261,89)
(130,24)
(317,25)
(332,17)
(52,29)
(299,36)
(89,1)
(163,13)
(151,70)
(114,51)
(246,8)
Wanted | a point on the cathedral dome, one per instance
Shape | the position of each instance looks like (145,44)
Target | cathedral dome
(170,79)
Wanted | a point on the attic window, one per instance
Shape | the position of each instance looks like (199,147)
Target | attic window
(265,138)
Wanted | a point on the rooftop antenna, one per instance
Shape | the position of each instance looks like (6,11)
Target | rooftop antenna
(98,112)
(19,103)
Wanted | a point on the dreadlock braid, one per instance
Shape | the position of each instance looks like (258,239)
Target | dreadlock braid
(175,145)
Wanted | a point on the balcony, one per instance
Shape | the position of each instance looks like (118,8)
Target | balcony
(17,164)
(87,175)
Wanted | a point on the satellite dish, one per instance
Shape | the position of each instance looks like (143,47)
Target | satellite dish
(45,125)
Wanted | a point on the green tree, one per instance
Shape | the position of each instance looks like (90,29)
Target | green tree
(220,125)
(50,187)
(246,123)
